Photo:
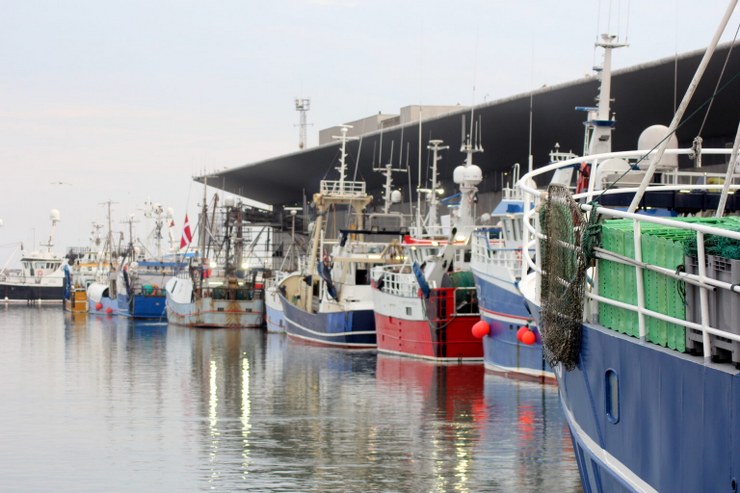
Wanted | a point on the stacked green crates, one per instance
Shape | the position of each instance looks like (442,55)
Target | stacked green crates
(661,246)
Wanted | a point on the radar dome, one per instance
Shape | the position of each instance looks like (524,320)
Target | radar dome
(650,138)
(396,197)
(458,175)
(485,217)
(229,202)
(54,215)
(473,174)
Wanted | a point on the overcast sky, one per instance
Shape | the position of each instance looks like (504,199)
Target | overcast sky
(127,100)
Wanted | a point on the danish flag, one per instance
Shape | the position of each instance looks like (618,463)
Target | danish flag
(187,236)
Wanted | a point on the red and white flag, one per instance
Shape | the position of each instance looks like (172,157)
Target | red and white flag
(187,236)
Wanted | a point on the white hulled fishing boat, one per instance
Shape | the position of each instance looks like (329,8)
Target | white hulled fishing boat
(41,276)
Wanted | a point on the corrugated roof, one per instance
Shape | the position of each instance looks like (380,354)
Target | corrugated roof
(643,96)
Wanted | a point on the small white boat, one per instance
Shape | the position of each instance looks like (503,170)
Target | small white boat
(41,277)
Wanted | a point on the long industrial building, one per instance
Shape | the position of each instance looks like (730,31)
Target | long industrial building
(642,96)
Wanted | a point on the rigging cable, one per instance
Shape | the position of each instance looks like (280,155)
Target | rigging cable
(683,122)
(719,79)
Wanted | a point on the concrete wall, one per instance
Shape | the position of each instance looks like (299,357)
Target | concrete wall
(409,114)
(359,127)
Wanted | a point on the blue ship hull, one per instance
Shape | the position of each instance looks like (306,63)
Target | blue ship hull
(106,306)
(353,329)
(505,311)
(275,319)
(142,306)
(645,418)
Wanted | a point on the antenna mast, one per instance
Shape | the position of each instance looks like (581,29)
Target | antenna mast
(302,105)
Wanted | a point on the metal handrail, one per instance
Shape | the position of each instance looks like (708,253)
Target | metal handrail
(532,235)
(342,187)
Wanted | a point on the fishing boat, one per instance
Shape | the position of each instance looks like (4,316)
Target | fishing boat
(511,342)
(41,276)
(80,271)
(220,286)
(426,306)
(144,271)
(635,285)
(288,264)
(274,320)
(102,292)
(331,303)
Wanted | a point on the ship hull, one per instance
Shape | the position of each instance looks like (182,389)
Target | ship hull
(76,301)
(30,293)
(504,309)
(103,306)
(144,306)
(347,329)
(274,312)
(663,437)
(213,313)
(404,330)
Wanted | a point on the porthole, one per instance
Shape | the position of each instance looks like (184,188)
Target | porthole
(611,394)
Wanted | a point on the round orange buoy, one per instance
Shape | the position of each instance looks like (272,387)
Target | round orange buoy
(480,329)
(521,332)
(529,337)
(109,310)
(98,306)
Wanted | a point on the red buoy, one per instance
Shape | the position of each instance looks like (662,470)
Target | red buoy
(109,310)
(480,329)
(521,332)
(98,306)
(529,337)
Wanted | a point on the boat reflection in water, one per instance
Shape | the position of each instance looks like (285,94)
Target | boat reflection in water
(476,431)
(137,404)
(529,446)
(441,411)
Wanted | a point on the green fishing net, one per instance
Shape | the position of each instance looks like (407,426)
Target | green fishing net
(563,277)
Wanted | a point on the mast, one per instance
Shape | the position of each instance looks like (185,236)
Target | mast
(418,187)
(239,240)
(350,193)
(600,121)
(107,254)
(467,176)
(387,171)
(130,250)
(55,218)
(203,219)
(435,146)
(157,212)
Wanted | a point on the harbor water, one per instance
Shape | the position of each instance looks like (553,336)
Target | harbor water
(109,404)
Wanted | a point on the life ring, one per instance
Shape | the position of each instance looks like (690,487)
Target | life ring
(39,272)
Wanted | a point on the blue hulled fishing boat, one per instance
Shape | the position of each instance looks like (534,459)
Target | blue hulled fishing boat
(144,272)
(512,345)
(331,303)
(636,287)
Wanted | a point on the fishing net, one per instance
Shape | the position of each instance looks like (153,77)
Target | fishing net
(563,277)
(720,246)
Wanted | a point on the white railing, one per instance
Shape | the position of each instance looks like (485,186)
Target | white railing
(704,283)
(492,251)
(342,188)
(397,283)
(436,232)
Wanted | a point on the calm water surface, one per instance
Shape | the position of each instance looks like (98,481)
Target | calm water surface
(106,404)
